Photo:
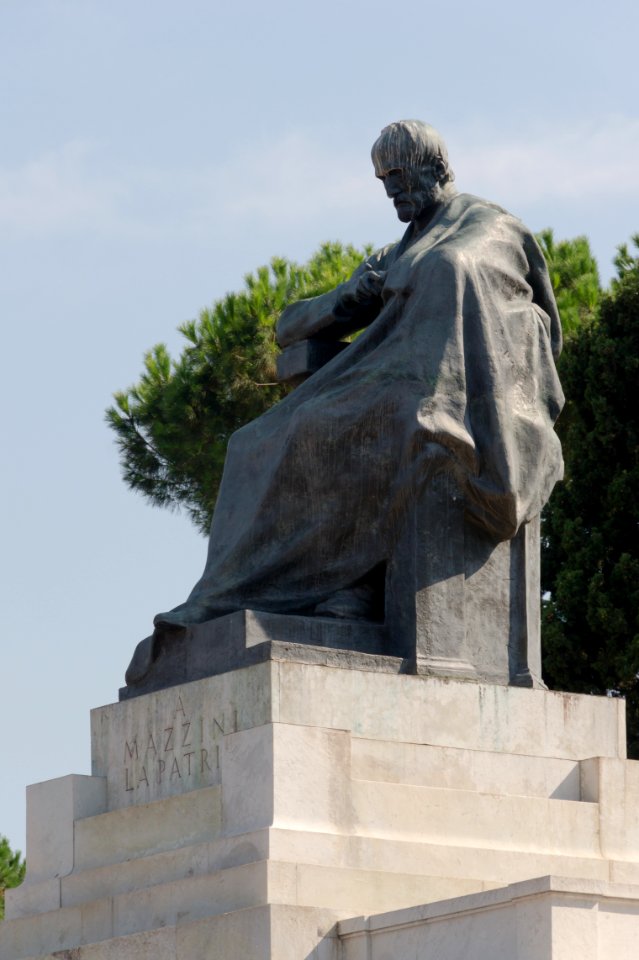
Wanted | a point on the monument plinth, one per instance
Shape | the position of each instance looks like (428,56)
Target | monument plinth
(248,813)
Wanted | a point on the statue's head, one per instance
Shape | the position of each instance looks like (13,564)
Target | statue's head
(411,160)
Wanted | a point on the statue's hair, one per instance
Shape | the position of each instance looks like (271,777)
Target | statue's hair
(410,143)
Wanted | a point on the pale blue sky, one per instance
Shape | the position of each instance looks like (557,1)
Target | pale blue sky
(153,153)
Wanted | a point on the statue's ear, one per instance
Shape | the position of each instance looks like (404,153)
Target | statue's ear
(439,169)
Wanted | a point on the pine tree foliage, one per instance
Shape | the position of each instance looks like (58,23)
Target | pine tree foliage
(575,279)
(12,869)
(172,427)
(590,558)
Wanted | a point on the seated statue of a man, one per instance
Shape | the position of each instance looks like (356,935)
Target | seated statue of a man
(454,371)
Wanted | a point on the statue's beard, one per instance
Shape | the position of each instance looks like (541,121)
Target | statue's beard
(419,203)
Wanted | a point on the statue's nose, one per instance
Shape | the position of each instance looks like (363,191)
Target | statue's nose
(392,186)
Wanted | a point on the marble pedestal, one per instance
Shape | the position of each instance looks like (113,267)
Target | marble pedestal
(258,813)
(554,917)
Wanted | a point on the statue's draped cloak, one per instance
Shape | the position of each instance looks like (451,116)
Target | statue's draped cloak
(456,372)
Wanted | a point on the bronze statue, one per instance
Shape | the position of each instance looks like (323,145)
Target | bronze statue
(452,382)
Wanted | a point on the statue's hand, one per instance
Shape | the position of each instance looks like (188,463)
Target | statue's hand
(369,288)
(365,294)
(333,315)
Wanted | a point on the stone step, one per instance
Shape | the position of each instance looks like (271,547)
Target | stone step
(161,905)
(538,919)
(113,879)
(465,817)
(254,933)
(314,852)
(485,772)
(438,858)
(182,836)
(193,861)
(149,828)
(345,891)
(153,920)
(81,844)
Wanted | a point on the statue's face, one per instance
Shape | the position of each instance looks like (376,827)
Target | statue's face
(412,189)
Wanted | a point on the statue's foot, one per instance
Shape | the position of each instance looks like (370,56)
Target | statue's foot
(353,603)
(147,651)
(141,661)
(163,627)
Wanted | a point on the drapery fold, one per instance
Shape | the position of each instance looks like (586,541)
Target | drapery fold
(456,372)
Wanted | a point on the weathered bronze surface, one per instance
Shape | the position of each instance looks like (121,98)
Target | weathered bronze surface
(401,483)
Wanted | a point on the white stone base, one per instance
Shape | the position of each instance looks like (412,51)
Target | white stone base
(549,918)
(244,815)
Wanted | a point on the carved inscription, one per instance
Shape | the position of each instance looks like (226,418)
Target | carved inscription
(182,751)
